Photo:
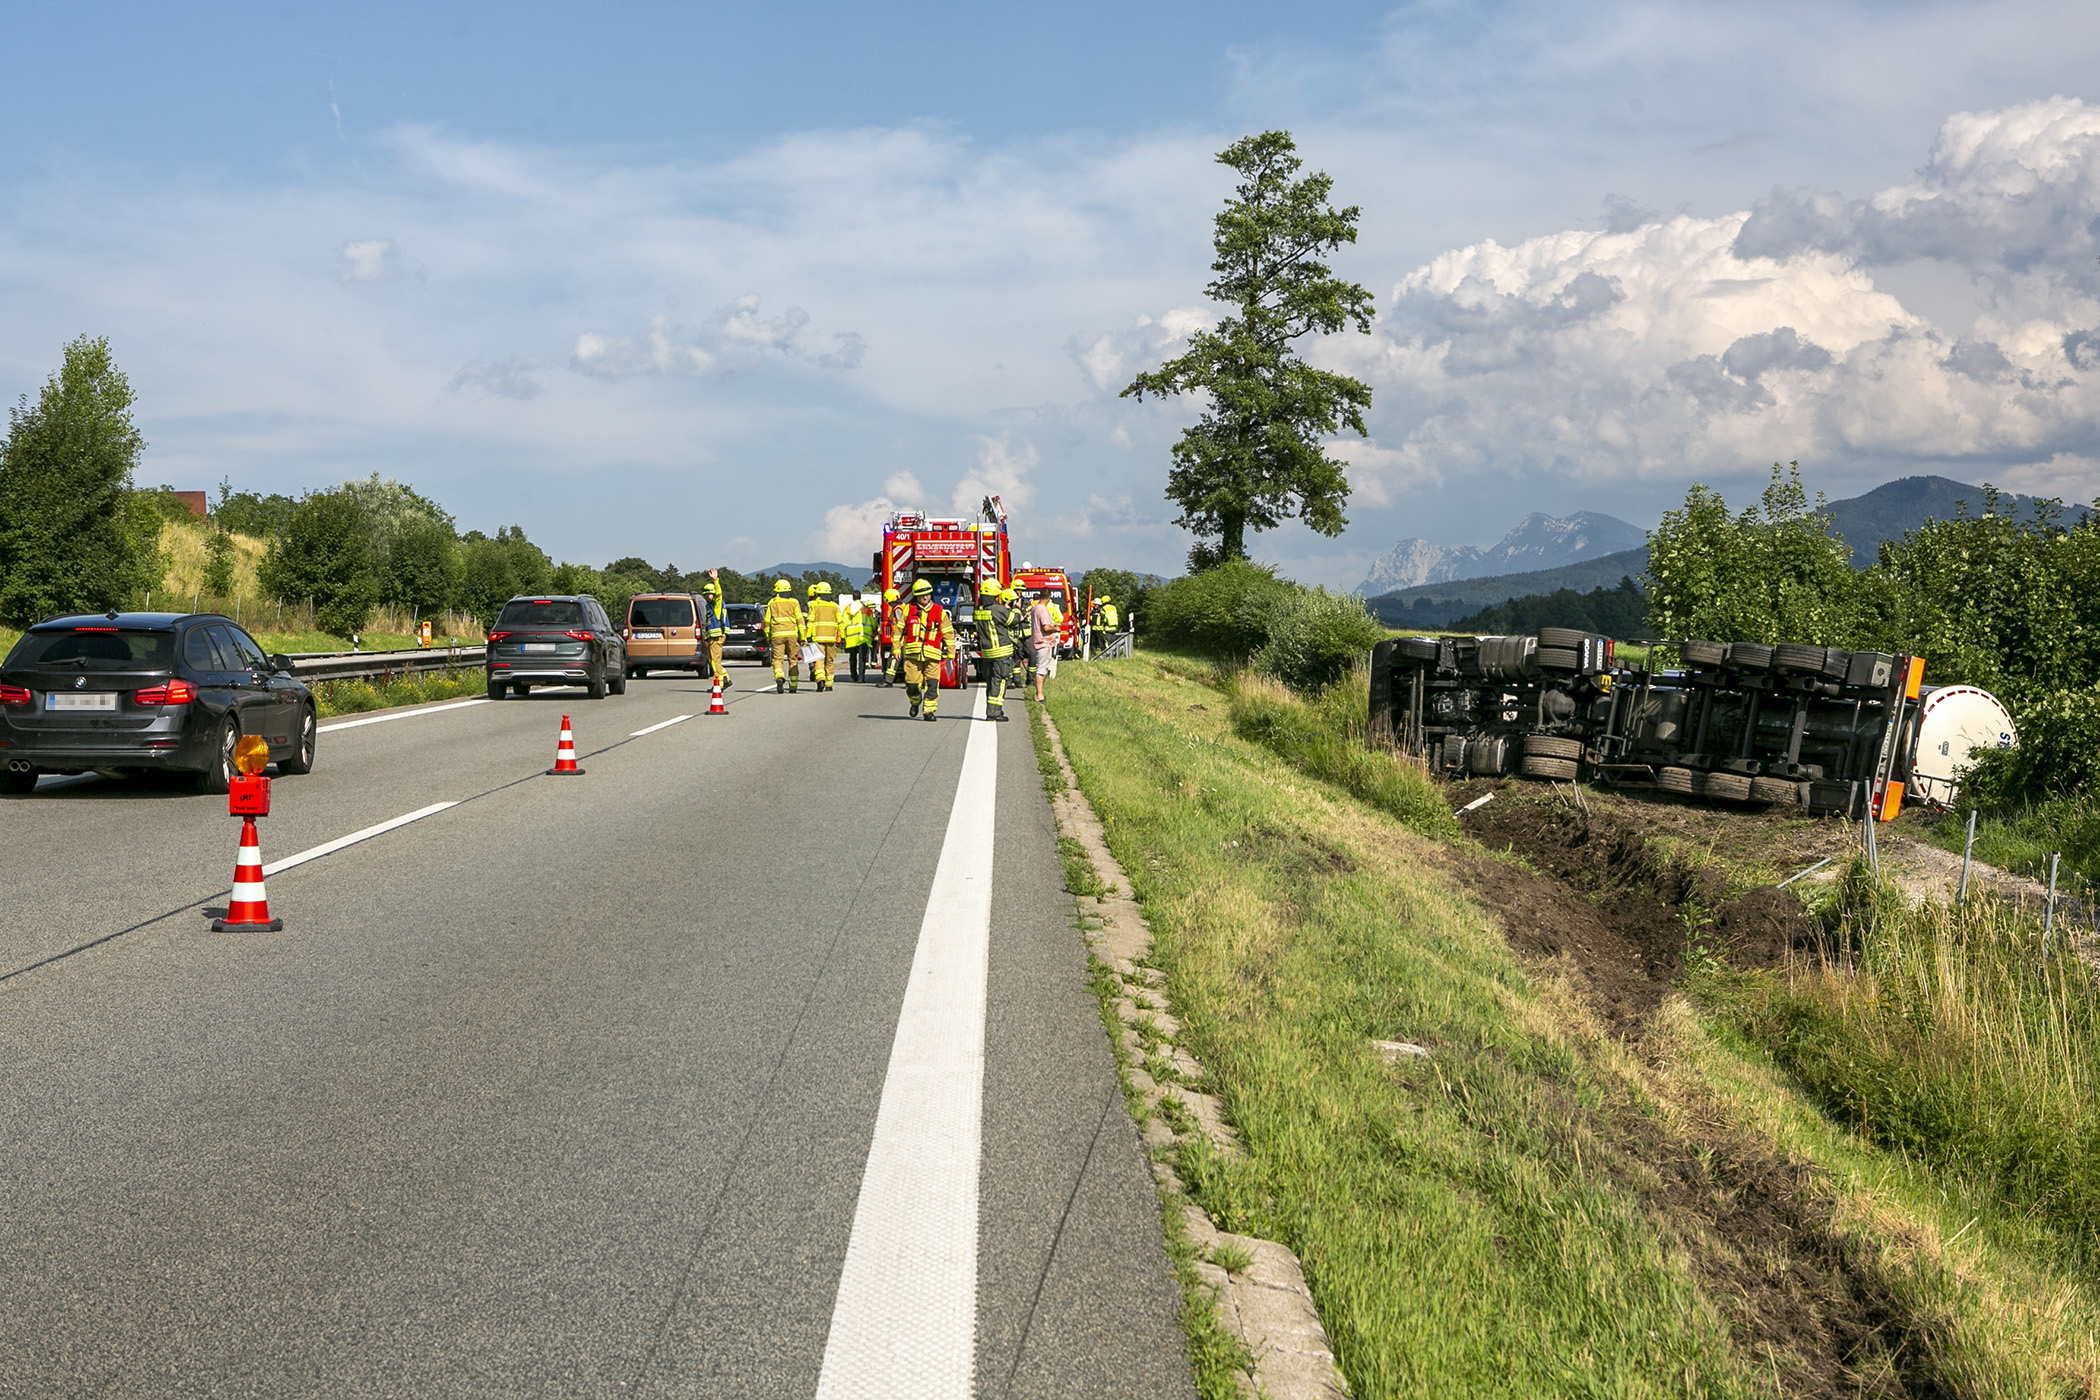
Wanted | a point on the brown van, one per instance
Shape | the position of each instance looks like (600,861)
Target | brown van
(660,634)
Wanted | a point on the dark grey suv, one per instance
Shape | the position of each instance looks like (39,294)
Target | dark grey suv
(560,639)
(142,692)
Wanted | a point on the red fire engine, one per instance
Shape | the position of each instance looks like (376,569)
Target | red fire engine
(1052,586)
(960,558)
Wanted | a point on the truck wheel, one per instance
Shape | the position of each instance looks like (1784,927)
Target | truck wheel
(1704,653)
(1802,660)
(1750,656)
(1562,638)
(1562,769)
(1546,746)
(1678,780)
(1416,648)
(1559,659)
(1781,792)
(1725,787)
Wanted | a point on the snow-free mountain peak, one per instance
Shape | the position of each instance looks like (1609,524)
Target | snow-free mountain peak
(1539,541)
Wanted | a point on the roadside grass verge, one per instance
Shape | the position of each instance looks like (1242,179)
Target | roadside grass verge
(1953,1036)
(349,697)
(2022,841)
(1510,1215)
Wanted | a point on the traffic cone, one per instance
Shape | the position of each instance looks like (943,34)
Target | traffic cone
(250,906)
(715,706)
(565,754)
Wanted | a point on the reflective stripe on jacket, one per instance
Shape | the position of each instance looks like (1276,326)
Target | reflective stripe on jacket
(926,630)
(824,621)
(855,628)
(783,618)
(995,631)
(713,617)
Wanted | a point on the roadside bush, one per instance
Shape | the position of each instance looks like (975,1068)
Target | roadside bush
(2059,753)
(1224,612)
(1328,739)
(1315,637)
(326,555)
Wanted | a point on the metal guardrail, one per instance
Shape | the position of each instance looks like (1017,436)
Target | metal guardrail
(359,665)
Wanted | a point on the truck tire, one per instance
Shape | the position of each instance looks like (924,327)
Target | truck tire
(1682,781)
(1558,768)
(1547,746)
(1750,656)
(1416,648)
(1559,659)
(1780,792)
(1564,638)
(1836,663)
(1725,787)
(1704,653)
(1798,659)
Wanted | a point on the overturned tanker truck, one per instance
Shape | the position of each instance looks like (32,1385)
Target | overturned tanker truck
(1835,731)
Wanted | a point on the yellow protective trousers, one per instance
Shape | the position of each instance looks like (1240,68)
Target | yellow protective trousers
(787,660)
(922,681)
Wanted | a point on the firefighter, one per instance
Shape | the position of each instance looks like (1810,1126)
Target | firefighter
(784,633)
(924,642)
(714,625)
(824,630)
(995,643)
(896,619)
(1110,620)
(854,630)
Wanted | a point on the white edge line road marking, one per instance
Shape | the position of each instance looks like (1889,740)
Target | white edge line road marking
(904,1326)
(329,848)
(654,727)
(401,714)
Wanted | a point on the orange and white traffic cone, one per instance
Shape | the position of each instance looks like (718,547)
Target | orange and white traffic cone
(565,754)
(250,906)
(715,706)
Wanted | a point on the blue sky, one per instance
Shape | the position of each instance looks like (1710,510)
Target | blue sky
(724,284)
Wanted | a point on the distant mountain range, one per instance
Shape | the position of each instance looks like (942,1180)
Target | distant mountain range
(1863,522)
(1541,541)
(821,566)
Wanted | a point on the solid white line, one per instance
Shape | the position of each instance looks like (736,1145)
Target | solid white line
(327,848)
(905,1323)
(654,727)
(401,714)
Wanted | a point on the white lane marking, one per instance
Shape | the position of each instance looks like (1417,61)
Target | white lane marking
(401,714)
(905,1323)
(329,848)
(654,727)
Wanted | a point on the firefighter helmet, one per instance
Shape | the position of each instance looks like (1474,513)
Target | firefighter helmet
(921,586)
(889,595)
(781,585)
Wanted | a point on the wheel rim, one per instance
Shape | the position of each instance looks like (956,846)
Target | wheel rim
(308,733)
(228,737)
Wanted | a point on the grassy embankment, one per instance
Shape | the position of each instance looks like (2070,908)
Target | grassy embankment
(1499,1218)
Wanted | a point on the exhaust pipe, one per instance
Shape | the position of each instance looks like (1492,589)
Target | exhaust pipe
(21,765)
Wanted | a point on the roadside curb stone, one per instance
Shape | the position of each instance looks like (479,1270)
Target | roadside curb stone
(1267,1305)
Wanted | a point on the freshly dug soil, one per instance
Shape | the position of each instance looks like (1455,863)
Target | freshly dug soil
(1597,893)
(1801,1299)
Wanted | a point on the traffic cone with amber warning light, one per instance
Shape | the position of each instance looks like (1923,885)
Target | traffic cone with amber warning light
(715,706)
(565,754)
(250,906)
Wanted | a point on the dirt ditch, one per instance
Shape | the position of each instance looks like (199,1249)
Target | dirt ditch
(1801,1296)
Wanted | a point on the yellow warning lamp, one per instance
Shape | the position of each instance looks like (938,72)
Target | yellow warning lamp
(251,755)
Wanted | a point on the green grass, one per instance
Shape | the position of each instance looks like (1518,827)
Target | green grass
(349,697)
(1485,1221)
(2023,841)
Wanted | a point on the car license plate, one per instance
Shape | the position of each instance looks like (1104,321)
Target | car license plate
(537,646)
(98,700)
(648,636)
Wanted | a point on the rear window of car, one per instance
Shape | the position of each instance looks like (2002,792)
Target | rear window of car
(95,649)
(544,613)
(743,614)
(660,612)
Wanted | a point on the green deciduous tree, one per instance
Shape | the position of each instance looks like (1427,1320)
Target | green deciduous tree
(1774,573)
(73,534)
(1257,456)
(497,570)
(325,554)
(422,567)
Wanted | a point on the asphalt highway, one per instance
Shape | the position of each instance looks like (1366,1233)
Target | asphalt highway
(572,1087)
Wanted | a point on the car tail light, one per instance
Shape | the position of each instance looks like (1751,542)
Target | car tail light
(498,636)
(626,634)
(13,695)
(176,692)
(579,636)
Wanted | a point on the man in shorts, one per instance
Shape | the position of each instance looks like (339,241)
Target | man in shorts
(1042,641)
